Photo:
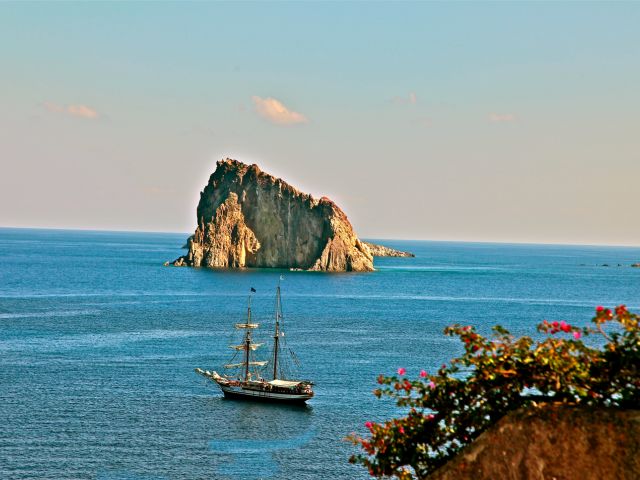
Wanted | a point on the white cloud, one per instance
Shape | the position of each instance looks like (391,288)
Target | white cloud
(82,111)
(412,99)
(276,112)
(78,110)
(502,117)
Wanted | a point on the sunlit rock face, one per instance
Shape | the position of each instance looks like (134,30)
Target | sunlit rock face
(552,442)
(248,218)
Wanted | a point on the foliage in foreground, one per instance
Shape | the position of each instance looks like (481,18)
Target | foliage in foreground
(450,408)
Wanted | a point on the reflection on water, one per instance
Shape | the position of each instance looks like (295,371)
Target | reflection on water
(253,455)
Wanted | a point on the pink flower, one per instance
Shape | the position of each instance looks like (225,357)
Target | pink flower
(368,425)
(577,335)
(423,374)
(431,416)
(565,327)
(401,430)
(402,371)
(599,308)
(432,385)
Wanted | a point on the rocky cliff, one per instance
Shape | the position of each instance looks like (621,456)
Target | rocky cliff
(552,442)
(248,218)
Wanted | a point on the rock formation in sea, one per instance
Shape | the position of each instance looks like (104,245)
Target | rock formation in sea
(382,251)
(248,218)
(552,441)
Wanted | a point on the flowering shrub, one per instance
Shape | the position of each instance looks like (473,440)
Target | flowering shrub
(448,409)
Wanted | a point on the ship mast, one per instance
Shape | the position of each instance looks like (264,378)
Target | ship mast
(247,345)
(247,342)
(276,335)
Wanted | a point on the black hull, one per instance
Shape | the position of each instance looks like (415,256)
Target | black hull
(250,398)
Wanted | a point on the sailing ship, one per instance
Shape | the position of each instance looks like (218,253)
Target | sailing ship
(248,383)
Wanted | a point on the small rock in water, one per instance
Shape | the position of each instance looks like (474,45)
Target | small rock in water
(382,251)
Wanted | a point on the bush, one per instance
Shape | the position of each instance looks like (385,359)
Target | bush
(449,409)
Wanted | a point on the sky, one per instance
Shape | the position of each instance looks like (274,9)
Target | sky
(507,122)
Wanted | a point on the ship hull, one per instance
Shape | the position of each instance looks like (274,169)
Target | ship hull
(238,393)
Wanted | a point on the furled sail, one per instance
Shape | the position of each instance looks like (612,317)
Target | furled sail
(242,364)
(247,325)
(253,346)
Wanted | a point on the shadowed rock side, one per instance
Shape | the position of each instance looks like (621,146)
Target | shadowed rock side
(382,251)
(565,443)
(248,218)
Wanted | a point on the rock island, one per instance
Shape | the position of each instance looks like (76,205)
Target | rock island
(248,218)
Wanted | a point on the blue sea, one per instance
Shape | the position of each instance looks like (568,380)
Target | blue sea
(99,341)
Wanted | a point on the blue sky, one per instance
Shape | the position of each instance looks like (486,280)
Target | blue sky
(461,121)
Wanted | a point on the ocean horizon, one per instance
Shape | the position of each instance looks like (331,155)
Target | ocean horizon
(99,342)
(187,234)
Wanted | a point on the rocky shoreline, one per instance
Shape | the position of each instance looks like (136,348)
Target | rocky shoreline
(376,250)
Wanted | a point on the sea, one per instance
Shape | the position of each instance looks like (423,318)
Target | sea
(99,341)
